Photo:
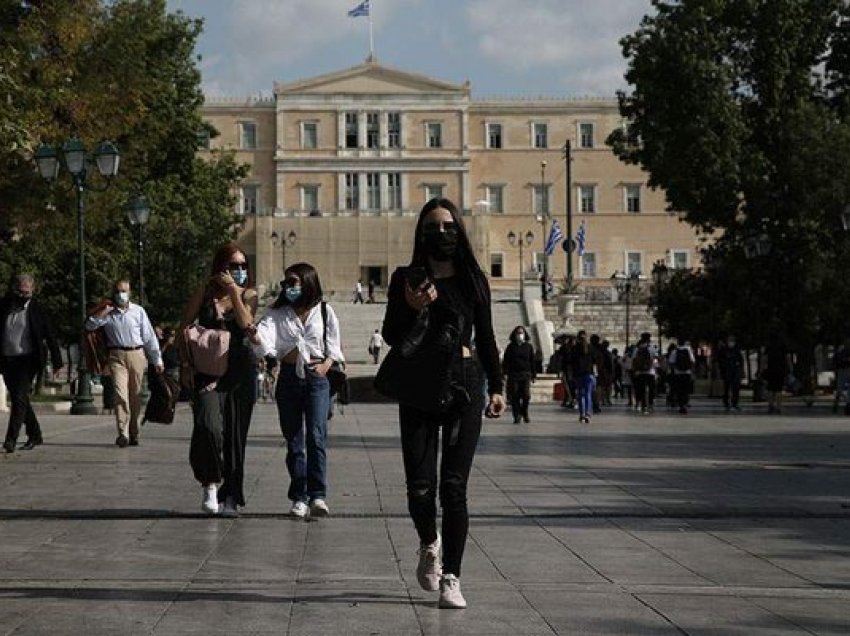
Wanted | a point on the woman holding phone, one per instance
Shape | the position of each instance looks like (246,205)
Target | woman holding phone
(222,406)
(445,277)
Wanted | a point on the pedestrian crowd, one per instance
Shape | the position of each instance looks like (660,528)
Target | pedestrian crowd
(443,367)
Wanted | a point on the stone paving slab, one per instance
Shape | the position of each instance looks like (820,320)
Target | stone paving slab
(710,524)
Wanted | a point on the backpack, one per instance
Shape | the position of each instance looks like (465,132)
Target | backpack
(643,360)
(683,359)
(163,399)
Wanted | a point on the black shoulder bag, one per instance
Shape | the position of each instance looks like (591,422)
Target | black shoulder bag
(336,374)
(417,372)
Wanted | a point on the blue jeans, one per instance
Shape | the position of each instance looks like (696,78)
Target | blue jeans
(302,405)
(586,385)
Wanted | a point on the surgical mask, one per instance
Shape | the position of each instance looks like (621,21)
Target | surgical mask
(441,246)
(519,338)
(240,276)
(293,293)
(121,298)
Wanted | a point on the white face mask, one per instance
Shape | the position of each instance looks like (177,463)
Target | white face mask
(122,298)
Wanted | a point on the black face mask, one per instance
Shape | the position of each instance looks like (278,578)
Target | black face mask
(441,246)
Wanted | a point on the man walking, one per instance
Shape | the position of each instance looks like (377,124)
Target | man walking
(644,365)
(358,292)
(130,339)
(375,344)
(730,361)
(25,337)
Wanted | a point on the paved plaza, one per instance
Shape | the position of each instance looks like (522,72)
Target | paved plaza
(703,525)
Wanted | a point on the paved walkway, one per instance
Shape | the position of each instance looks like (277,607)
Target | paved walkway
(710,524)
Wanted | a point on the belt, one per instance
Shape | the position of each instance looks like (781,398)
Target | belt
(125,348)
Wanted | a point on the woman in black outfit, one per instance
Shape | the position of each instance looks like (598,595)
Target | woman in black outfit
(518,364)
(456,292)
(222,406)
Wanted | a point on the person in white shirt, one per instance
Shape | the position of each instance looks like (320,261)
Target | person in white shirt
(130,339)
(358,292)
(375,344)
(307,344)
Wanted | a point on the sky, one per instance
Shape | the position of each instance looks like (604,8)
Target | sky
(505,48)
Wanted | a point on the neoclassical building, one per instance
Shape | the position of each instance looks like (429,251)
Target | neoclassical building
(341,164)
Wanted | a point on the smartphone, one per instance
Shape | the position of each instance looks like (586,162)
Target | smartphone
(415,276)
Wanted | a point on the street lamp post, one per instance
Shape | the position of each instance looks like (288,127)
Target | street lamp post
(660,273)
(520,241)
(138,213)
(544,214)
(76,160)
(283,240)
(625,284)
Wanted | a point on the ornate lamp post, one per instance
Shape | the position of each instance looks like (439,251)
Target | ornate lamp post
(625,284)
(660,275)
(544,215)
(138,213)
(78,162)
(283,241)
(520,241)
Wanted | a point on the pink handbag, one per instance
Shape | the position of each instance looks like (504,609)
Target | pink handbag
(207,349)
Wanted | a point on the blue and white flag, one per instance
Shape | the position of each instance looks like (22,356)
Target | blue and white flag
(555,236)
(581,237)
(359,10)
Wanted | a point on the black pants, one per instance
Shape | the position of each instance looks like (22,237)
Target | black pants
(420,436)
(219,435)
(645,390)
(519,394)
(20,371)
(731,392)
(680,384)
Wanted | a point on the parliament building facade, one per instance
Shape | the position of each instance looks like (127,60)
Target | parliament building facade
(342,163)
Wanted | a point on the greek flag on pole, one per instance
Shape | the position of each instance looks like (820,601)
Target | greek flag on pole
(359,10)
(581,237)
(555,236)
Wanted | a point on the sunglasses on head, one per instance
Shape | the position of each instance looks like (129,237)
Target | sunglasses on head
(237,265)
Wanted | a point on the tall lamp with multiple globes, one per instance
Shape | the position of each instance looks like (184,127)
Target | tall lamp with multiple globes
(78,161)
(626,285)
(283,240)
(517,240)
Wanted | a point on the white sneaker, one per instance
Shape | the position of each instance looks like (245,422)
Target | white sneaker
(430,568)
(210,501)
(228,508)
(318,508)
(299,509)
(450,596)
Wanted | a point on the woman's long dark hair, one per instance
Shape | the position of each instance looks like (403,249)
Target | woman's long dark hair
(516,330)
(466,265)
(311,287)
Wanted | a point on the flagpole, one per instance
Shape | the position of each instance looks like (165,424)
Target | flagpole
(371,40)
(568,151)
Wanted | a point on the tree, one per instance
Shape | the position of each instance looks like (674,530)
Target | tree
(739,109)
(124,70)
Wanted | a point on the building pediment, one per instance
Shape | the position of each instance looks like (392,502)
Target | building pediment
(370,78)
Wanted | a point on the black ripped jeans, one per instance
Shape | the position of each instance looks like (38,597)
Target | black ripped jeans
(420,436)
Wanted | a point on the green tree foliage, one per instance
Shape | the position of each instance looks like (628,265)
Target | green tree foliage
(740,111)
(126,71)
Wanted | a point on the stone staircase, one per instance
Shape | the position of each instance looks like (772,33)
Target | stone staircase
(358,323)
(606,318)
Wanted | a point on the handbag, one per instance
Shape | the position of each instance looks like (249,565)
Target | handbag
(207,349)
(417,372)
(336,375)
(163,399)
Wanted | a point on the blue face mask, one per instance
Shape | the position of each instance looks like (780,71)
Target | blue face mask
(293,293)
(240,276)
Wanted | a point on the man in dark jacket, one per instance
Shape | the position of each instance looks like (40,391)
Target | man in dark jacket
(730,361)
(25,337)
(519,365)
